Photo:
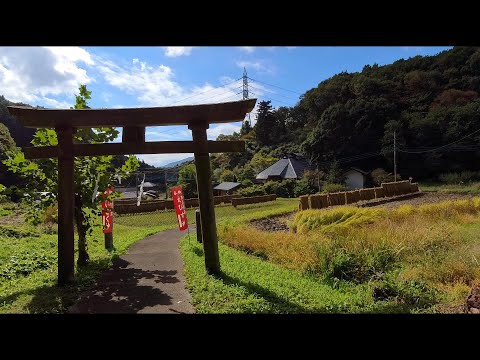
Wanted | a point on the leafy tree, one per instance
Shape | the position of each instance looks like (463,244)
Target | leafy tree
(260,161)
(246,128)
(227,175)
(265,123)
(187,173)
(7,144)
(335,174)
(380,175)
(42,175)
(187,179)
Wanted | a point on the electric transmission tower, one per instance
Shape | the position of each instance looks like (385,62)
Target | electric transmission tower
(245,90)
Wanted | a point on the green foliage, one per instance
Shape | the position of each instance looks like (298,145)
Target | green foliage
(189,189)
(227,176)
(457,178)
(303,187)
(332,187)
(245,173)
(261,161)
(25,264)
(253,190)
(283,189)
(413,292)
(42,175)
(187,173)
(247,183)
(380,176)
(335,174)
(265,123)
(18,232)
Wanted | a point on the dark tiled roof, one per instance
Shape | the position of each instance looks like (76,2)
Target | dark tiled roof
(227,186)
(287,168)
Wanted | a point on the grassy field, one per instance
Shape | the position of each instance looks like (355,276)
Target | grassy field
(28,254)
(467,188)
(167,218)
(421,259)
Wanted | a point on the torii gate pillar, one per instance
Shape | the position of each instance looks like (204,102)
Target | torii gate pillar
(66,199)
(205,196)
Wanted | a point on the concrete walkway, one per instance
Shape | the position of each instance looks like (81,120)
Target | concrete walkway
(148,279)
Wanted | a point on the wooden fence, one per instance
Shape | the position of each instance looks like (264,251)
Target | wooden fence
(320,201)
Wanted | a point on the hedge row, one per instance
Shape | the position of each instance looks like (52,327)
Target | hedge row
(320,201)
(253,200)
(129,206)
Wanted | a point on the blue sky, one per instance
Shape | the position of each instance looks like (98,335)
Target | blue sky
(162,76)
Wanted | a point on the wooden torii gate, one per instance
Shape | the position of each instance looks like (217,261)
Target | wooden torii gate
(133,121)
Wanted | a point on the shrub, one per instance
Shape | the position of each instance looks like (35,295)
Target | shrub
(247,183)
(25,264)
(457,178)
(379,176)
(284,189)
(413,292)
(332,187)
(303,187)
(51,214)
(254,190)
(17,231)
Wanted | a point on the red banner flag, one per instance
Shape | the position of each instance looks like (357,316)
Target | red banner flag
(179,203)
(107,212)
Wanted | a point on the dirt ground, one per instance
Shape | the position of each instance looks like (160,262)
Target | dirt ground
(279,223)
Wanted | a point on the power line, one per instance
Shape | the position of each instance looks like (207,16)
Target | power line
(279,87)
(267,97)
(276,94)
(441,147)
(216,88)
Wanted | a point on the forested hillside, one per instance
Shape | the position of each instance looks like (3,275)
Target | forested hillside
(350,119)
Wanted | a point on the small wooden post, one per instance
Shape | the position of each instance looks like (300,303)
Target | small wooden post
(198,223)
(205,196)
(109,241)
(66,198)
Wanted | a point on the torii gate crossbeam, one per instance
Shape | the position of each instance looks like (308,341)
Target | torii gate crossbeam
(133,121)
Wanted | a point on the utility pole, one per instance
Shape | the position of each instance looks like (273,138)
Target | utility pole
(136,183)
(166,190)
(245,90)
(395,154)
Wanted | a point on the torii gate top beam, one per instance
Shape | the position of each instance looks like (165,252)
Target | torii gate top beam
(134,117)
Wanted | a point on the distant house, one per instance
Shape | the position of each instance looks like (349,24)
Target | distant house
(291,166)
(355,178)
(225,188)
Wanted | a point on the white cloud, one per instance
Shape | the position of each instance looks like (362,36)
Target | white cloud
(155,85)
(412,48)
(257,65)
(247,49)
(167,133)
(225,129)
(34,74)
(290,47)
(175,51)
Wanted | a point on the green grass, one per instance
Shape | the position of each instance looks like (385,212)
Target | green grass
(30,287)
(248,284)
(28,254)
(467,188)
(222,212)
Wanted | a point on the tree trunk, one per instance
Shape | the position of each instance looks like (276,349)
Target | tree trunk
(83,257)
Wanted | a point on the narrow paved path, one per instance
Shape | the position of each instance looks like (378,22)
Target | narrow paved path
(148,279)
